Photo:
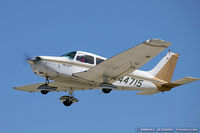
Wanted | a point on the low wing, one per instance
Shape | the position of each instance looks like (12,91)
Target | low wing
(53,86)
(125,62)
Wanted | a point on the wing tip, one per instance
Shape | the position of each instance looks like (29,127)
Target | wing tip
(14,88)
(157,42)
(192,78)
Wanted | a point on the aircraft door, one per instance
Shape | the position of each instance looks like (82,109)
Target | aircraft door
(52,69)
(65,69)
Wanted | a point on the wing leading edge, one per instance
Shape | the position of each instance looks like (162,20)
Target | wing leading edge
(125,62)
(52,86)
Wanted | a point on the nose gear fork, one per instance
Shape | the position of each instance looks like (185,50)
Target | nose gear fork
(47,80)
(44,87)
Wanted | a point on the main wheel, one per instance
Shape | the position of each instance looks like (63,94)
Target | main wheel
(106,90)
(67,102)
(44,92)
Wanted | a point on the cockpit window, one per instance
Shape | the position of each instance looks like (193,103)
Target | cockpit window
(85,58)
(98,60)
(70,55)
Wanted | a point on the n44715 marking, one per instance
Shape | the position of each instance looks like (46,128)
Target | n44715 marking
(131,81)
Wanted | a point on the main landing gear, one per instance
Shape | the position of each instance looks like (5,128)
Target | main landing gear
(106,91)
(68,100)
(107,88)
(44,92)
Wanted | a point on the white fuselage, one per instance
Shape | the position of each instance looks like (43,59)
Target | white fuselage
(55,67)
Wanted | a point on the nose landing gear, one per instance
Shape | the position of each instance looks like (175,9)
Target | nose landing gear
(45,85)
(47,80)
(66,100)
(45,88)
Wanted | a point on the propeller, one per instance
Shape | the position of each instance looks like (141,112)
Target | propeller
(31,60)
(26,56)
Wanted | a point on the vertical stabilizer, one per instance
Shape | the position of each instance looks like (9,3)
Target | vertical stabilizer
(165,68)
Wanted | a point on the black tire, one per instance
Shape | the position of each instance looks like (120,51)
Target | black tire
(44,92)
(106,90)
(67,103)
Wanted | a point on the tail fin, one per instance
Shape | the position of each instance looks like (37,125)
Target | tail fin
(165,68)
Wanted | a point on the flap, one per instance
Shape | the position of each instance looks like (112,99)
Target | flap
(147,92)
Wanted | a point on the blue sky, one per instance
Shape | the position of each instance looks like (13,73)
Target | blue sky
(106,28)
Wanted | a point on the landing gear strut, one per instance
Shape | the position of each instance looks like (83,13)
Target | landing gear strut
(47,80)
(44,92)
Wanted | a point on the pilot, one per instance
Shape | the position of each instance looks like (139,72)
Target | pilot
(82,60)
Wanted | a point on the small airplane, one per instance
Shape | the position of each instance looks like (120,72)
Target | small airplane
(80,70)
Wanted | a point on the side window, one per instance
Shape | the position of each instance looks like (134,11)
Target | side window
(98,60)
(85,58)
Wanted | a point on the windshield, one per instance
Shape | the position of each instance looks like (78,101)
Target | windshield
(70,55)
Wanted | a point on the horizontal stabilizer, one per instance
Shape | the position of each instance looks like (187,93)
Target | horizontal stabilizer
(147,92)
(180,82)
